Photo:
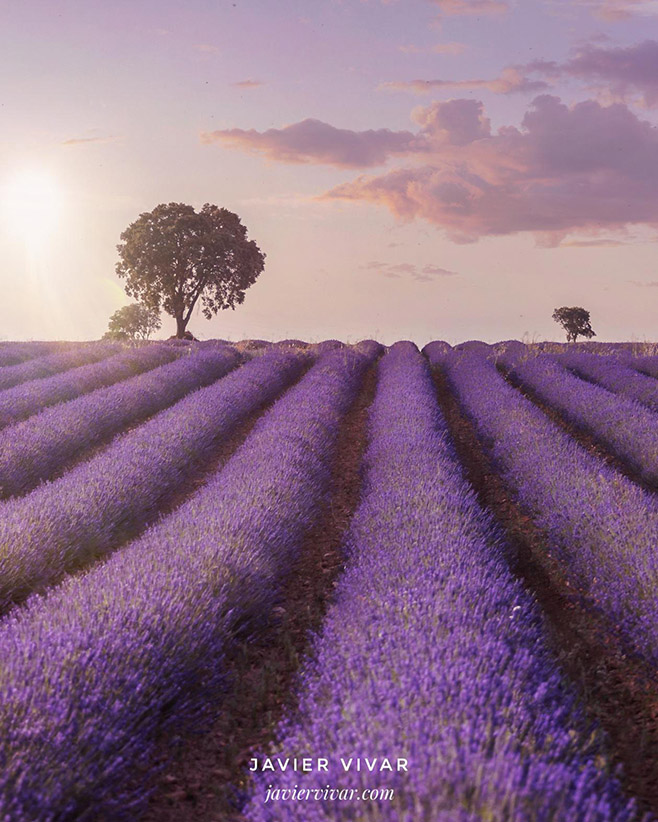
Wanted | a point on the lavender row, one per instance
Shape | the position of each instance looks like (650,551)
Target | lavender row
(41,447)
(31,397)
(69,523)
(602,527)
(101,667)
(13,353)
(50,364)
(622,425)
(647,365)
(432,664)
(617,375)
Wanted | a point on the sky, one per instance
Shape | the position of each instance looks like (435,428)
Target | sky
(412,169)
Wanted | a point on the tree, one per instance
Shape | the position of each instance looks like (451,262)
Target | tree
(132,322)
(575,322)
(172,257)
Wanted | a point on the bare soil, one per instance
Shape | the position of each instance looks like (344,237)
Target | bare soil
(617,689)
(206,777)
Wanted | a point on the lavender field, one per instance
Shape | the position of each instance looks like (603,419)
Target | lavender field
(314,581)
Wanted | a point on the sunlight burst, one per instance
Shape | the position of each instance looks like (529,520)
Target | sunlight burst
(31,206)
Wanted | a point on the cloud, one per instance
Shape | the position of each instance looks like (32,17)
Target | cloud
(623,71)
(587,167)
(289,200)
(249,83)
(615,74)
(601,242)
(312,141)
(615,10)
(472,7)
(511,80)
(397,270)
(455,123)
(435,271)
(452,48)
(206,48)
(611,11)
(80,141)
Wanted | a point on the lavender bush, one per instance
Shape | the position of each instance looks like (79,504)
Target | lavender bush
(69,523)
(601,526)
(615,373)
(433,653)
(97,670)
(50,364)
(647,365)
(40,447)
(31,397)
(621,424)
(436,348)
(13,353)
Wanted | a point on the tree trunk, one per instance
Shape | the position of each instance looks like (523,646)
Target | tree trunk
(180,326)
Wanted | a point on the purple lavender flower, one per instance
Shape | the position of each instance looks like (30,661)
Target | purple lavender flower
(50,364)
(69,523)
(601,526)
(98,669)
(33,396)
(432,666)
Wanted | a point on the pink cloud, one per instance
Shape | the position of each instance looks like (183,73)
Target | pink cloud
(206,48)
(511,80)
(472,7)
(249,83)
(626,70)
(312,141)
(616,74)
(452,48)
(455,123)
(602,242)
(436,271)
(614,10)
(396,270)
(80,141)
(588,167)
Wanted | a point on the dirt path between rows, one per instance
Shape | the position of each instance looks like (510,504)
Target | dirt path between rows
(206,778)
(616,688)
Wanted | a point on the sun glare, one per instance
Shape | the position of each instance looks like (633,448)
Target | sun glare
(31,206)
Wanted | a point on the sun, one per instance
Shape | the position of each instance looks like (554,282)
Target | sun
(31,206)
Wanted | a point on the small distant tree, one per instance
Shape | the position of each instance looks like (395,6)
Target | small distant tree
(132,322)
(575,322)
(173,257)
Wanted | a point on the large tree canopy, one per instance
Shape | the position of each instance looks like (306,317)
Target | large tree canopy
(172,257)
(575,321)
